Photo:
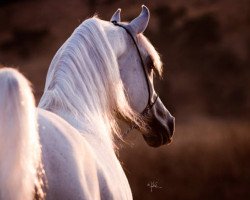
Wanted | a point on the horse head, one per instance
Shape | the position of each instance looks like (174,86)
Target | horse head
(138,63)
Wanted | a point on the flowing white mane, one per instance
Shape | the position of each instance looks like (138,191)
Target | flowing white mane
(83,81)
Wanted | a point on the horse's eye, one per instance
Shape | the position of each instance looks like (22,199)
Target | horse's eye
(150,64)
(151,68)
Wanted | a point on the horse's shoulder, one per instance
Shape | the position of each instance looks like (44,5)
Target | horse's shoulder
(67,158)
(53,128)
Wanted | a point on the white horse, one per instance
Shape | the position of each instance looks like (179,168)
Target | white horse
(104,71)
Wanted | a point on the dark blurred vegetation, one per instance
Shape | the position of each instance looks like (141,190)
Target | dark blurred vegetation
(195,47)
(205,46)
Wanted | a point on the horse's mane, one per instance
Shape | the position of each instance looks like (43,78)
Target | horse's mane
(84,81)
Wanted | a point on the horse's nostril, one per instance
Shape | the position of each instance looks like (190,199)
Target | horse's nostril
(171,126)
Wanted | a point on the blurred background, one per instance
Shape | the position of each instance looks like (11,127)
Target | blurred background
(205,47)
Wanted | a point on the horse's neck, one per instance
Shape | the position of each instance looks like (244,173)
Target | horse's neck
(101,145)
(95,132)
(79,89)
(83,117)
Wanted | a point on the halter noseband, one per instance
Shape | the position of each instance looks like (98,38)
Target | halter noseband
(150,103)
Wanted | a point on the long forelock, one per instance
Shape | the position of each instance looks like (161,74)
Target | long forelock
(148,49)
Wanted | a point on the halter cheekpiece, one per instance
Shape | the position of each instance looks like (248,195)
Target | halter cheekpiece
(150,103)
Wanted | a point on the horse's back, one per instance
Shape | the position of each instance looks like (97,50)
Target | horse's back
(69,163)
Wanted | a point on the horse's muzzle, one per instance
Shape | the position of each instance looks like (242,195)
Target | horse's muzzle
(160,133)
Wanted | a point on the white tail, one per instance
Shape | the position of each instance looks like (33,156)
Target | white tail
(20,152)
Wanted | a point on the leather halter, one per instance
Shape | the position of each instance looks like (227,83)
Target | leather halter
(150,103)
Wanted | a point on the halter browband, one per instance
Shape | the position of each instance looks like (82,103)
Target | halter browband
(150,104)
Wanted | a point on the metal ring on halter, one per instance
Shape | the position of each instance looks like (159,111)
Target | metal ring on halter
(149,104)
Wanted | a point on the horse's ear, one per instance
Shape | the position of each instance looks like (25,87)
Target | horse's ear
(140,23)
(116,16)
